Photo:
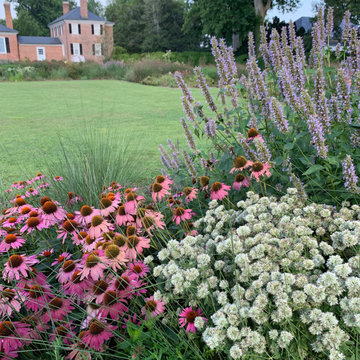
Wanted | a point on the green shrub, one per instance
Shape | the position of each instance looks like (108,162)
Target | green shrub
(59,74)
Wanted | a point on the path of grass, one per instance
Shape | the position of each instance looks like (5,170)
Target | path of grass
(34,114)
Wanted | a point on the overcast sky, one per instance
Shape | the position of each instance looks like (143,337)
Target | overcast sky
(305,9)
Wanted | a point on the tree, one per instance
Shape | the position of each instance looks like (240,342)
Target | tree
(27,25)
(40,12)
(96,7)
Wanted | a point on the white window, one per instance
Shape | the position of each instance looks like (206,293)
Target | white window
(76,48)
(97,30)
(40,53)
(2,45)
(61,29)
(98,50)
(74,29)
(56,32)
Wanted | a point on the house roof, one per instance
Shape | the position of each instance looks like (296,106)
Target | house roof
(304,22)
(4,28)
(39,40)
(75,14)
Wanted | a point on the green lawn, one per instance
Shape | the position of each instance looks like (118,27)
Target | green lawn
(35,114)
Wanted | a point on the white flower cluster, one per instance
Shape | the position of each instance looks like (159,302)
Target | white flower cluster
(269,271)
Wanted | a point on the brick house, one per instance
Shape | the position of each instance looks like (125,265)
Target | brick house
(77,35)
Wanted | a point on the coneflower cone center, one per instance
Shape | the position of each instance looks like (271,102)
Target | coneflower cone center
(130,196)
(82,235)
(70,225)
(239,162)
(150,305)
(100,287)
(61,331)
(204,180)
(216,186)
(187,191)
(86,210)
(110,298)
(122,283)
(12,220)
(92,260)
(33,213)
(137,269)
(257,166)
(253,132)
(119,240)
(68,266)
(179,211)
(130,230)
(112,251)
(148,221)
(33,222)
(9,239)
(97,220)
(36,291)
(7,328)
(55,304)
(15,261)
(25,210)
(105,203)
(132,241)
(44,199)
(121,210)
(239,178)
(157,187)
(8,294)
(191,316)
(75,279)
(96,328)
(20,202)
(49,207)
(160,179)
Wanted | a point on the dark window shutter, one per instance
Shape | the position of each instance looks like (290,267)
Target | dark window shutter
(7,43)
(102,49)
(101,29)
(81,49)
(72,49)
(92,29)
(70,31)
(93,49)
(79,27)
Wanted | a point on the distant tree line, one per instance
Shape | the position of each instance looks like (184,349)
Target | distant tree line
(177,25)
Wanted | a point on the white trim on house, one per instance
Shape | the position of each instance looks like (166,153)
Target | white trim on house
(8,33)
(43,45)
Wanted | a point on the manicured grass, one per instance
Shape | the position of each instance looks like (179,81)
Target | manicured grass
(35,114)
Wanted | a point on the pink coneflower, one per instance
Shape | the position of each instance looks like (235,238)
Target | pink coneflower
(139,268)
(11,222)
(58,178)
(132,200)
(97,334)
(108,206)
(134,245)
(219,190)
(259,169)
(38,176)
(75,286)
(92,266)
(66,271)
(159,192)
(31,192)
(26,211)
(33,223)
(61,259)
(84,216)
(190,194)
(69,227)
(12,334)
(254,134)
(152,306)
(164,181)
(9,301)
(181,214)
(127,284)
(240,181)
(18,265)
(240,163)
(114,186)
(123,217)
(73,199)
(204,182)
(38,297)
(44,185)
(46,253)
(34,278)
(57,309)
(78,353)
(188,316)
(51,213)
(114,258)
(98,226)
(64,332)
(113,305)
(11,241)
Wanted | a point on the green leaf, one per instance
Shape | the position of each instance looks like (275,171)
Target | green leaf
(289,146)
(356,126)
(313,169)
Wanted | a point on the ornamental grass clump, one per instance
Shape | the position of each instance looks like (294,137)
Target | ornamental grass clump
(299,117)
(275,279)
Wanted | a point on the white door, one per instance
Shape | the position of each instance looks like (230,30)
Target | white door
(41,56)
